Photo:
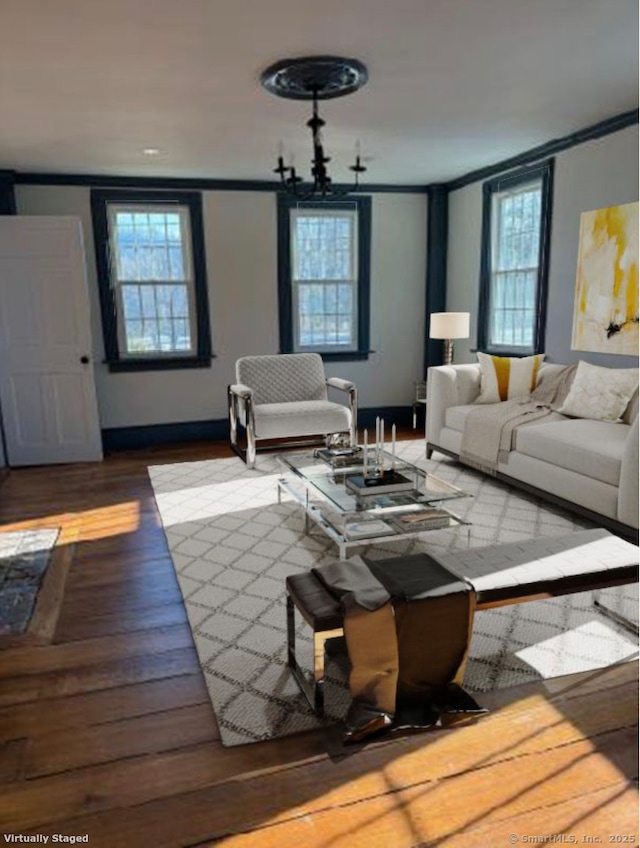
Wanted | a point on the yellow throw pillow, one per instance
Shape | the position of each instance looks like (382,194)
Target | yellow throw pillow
(504,377)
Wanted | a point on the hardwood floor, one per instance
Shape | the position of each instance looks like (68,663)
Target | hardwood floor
(108,730)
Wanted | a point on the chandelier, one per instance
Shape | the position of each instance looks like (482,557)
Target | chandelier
(315,78)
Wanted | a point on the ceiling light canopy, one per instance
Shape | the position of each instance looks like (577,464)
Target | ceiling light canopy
(315,78)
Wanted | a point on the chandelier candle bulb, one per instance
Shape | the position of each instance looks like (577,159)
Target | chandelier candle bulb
(381,445)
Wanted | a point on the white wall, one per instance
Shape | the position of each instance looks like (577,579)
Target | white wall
(593,175)
(241,247)
(463,261)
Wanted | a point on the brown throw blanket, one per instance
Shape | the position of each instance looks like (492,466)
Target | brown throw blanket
(408,630)
(489,429)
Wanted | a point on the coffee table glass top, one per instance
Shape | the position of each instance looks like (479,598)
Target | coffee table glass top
(330,483)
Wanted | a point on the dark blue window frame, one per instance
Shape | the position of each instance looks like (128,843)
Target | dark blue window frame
(285,300)
(100,199)
(544,172)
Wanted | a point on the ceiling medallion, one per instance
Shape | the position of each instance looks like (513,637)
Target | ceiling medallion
(315,78)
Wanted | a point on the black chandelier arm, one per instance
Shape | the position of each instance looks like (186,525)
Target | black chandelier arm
(315,78)
(322,183)
(314,190)
(282,169)
(358,168)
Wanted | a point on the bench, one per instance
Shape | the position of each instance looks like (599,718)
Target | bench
(500,574)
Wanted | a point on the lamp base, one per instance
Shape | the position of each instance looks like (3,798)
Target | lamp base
(448,352)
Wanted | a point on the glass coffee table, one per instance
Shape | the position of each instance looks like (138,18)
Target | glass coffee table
(351,518)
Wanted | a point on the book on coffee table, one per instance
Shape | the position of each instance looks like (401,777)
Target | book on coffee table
(429,519)
(387,483)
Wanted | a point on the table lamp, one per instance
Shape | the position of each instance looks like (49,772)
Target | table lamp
(449,326)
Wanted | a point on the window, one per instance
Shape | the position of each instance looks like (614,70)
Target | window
(151,270)
(324,252)
(513,278)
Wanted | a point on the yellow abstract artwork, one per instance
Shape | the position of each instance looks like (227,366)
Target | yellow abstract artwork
(605,314)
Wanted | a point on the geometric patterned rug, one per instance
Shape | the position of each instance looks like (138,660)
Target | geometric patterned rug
(233,545)
(24,557)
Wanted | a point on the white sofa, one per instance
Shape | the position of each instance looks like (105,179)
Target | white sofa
(587,465)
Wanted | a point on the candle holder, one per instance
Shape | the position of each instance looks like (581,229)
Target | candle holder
(376,477)
(374,467)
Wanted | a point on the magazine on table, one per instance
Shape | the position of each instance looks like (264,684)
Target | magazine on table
(425,519)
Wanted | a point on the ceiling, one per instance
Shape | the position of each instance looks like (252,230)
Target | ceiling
(454,85)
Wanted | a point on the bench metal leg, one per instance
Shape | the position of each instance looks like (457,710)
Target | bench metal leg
(313,690)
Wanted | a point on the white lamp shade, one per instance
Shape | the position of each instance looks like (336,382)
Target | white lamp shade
(449,325)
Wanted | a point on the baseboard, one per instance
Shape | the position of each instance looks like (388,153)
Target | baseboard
(217,429)
(401,416)
(615,527)
(153,435)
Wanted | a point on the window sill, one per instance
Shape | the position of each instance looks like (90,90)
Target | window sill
(339,356)
(514,353)
(161,364)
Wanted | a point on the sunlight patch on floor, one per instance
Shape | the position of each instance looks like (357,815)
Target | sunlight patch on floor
(566,650)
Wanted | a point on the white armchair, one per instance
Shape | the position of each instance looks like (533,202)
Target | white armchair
(283,396)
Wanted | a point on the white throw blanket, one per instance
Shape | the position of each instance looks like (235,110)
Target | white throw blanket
(488,435)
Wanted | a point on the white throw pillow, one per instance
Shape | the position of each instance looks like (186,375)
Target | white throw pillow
(503,377)
(600,393)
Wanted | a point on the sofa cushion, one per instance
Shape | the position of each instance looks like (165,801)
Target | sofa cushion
(631,412)
(592,448)
(455,416)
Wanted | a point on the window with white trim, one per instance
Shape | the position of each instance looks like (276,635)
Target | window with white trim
(152,275)
(152,279)
(324,277)
(514,274)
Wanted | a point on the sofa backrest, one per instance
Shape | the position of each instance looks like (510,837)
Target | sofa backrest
(631,412)
(284,377)
(549,369)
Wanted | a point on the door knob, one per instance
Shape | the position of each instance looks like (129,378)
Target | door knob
(84,360)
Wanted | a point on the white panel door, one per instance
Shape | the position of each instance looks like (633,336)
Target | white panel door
(47,389)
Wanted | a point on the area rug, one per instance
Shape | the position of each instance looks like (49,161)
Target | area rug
(24,557)
(233,545)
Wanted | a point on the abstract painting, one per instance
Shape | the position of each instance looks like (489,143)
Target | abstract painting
(605,313)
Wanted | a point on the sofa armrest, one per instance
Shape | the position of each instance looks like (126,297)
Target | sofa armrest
(628,489)
(240,408)
(448,385)
(241,390)
(339,383)
(350,387)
